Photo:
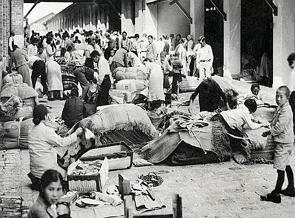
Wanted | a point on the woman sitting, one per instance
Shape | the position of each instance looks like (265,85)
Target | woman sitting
(42,140)
(51,191)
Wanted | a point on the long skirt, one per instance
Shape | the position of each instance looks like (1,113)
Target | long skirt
(54,77)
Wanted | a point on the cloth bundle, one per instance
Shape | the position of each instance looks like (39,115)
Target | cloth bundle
(189,84)
(22,90)
(137,73)
(190,142)
(112,118)
(14,134)
(132,85)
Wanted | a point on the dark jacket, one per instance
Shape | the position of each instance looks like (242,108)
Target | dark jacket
(41,209)
(211,96)
(73,111)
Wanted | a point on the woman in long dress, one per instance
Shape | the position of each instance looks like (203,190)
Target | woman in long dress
(155,87)
(53,70)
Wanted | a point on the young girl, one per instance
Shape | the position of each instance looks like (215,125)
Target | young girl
(51,191)
(282,133)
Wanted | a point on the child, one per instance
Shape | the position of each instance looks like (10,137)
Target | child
(177,68)
(235,121)
(255,90)
(282,133)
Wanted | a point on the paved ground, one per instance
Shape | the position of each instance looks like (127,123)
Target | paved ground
(211,190)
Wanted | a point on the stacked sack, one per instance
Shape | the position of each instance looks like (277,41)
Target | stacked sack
(14,130)
(129,82)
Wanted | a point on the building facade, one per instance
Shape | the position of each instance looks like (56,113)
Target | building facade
(89,16)
(40,26)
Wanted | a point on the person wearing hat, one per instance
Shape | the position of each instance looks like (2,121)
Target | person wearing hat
(204,59)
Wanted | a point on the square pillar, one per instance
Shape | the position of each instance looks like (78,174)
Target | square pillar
(150,15)
(197,12)
(139,18)
(283,41)
(126,17)
(232,36)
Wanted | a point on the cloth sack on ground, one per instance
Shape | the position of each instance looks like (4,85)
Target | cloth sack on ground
(22,90)
(189,84)
(112,118)
(137,73)
(14,78)
(189,144)
(132,85)
(14,134)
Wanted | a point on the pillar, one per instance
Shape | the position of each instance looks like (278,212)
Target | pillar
(139,19)
(283,41)
(232,36)
(197,12)
(17,18)
(126,17)
(150,15)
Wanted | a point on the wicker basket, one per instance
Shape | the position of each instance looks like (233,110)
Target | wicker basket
(120,155)
(87,183)
(10,206)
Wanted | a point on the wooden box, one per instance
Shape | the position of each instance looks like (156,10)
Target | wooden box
(119,155)
(87,183)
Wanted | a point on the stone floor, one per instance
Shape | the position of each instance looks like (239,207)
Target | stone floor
(211,190)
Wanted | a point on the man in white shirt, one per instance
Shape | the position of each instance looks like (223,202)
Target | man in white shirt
(104,80)
(204,59)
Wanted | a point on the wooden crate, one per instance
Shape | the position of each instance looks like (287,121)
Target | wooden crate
(87,183)
(119,155)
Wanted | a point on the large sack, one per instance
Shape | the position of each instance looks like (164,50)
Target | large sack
(22,90)
(132,85)
(137,73)
(197,145)
(112,118)
(189,84)
(14,134)
(14,78)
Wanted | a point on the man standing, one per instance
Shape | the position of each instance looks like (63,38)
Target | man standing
(151,50)
(204,59)
(104,80)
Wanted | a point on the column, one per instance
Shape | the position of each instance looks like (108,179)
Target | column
(139,21)
(197,12)
(283,41)
(232,36)
(126,17)
(150,17)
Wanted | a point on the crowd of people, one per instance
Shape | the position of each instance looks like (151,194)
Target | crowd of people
(101,53)
(96,56)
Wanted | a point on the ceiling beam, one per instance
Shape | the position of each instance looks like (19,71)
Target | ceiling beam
(27,14)
(186,14)
(272,5)
(221,12)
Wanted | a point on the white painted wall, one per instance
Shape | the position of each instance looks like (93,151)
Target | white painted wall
(283,38)
(172,20)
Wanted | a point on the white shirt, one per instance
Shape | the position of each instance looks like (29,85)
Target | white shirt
(43,156)
(32,50)
(205,53)
(135,61)
(238,118)
(103,69)
(291,81)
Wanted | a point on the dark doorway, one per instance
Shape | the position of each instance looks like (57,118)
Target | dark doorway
(214,33)
(257,41)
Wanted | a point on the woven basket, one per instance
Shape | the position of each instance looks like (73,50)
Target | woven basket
(10,206)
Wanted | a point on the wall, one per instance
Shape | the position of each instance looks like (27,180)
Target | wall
(17,23)
(155,19)
(232,36)
(283,38)
(172,20)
